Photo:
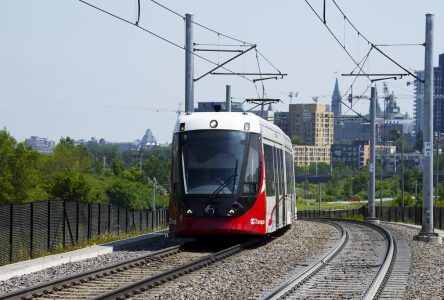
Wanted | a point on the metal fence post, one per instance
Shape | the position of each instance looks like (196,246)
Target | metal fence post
(98,222)
(118,220)
(63,223)
(109,217)
(49,226)
(147,220)
(77,221)
(11,219)
(126,219)
(89,222)
(31,231)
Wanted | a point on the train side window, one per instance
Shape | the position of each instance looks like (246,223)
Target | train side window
(251,178)
(290,173)
(269,171)
(280,164)
(175,170)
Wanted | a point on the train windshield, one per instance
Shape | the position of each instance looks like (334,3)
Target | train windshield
(212,161)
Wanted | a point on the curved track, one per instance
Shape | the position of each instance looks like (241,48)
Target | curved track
(132,276)
(356,268)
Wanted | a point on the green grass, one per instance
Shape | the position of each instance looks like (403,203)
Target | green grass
(329,205)
(23,254)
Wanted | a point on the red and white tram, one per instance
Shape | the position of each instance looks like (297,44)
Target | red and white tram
(232,173)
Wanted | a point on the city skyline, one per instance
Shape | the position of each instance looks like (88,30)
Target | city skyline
(69,70)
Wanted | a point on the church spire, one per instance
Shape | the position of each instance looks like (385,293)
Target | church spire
(336,108)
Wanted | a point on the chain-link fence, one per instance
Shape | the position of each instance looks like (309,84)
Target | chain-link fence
(411,215)
(32,229)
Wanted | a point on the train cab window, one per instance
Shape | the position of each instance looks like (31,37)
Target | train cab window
(251,178)
(212,161)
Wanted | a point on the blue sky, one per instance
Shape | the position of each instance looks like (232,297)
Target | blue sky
(69,70)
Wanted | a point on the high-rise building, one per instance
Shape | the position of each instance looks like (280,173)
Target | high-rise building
(281,121)
(42,145)
(438,105)
(312,122)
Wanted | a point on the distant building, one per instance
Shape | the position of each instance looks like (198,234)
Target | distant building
(312,122)
(385,149)
(267,114)
(211,105)
(438,92)
(282,121)
(304,155)
(148,140)
(410,160)
(42,145)
(354,156)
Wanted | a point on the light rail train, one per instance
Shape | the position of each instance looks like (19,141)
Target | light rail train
(232,173)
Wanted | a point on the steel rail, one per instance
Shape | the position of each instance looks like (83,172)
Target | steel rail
(384,272)
(298,278)
(378,282)
(59,284)
(158,279)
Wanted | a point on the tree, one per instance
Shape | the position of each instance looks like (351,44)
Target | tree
(69,185)
(134,195)
(158,167)
(360,183)
(412,179)
(102,156)
(297,140)
(67,156)
(347,188)
(19,173)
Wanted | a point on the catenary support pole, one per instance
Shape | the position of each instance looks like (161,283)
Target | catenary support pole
(427,232)
(189,64)
(228,97)
(372,167)
(427,223)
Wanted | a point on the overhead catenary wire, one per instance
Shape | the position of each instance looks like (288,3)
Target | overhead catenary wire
(200,25)
(368,41)
(160,37)
(335,37)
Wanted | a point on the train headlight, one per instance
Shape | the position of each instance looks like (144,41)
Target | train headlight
(231,212)
(189,212)
(213,124)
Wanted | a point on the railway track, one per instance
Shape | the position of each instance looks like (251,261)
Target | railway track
(357,267)
(133,276)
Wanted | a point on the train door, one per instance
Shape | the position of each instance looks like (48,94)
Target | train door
(279,186)
(270,182)
(282,194)
(285,187)
(276,186)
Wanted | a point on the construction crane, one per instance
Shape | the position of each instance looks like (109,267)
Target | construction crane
(178,111)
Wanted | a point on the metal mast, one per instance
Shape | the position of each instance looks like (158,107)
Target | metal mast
(189,64)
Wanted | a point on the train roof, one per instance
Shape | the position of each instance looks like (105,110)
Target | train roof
(229,121)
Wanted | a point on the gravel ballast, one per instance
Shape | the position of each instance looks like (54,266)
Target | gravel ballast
(426,280)
(250,273)
(64,270)
(253,271)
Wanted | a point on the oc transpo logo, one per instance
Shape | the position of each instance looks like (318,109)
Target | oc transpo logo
(254,221)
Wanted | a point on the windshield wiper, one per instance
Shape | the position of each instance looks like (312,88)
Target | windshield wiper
(224,184)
